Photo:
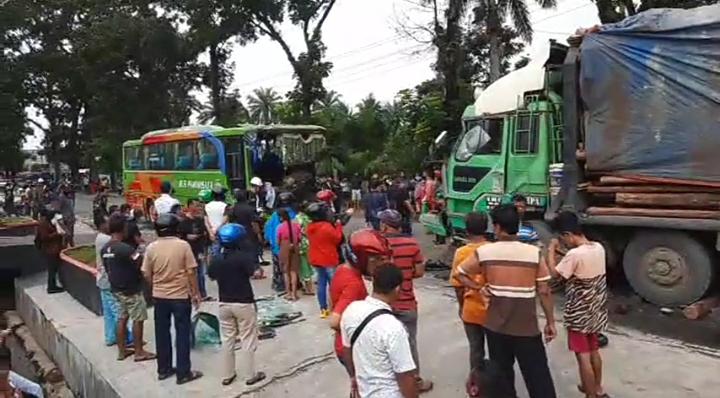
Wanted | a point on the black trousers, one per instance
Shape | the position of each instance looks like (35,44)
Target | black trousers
(530,354)
(53,268)
(476,340)
(177,310)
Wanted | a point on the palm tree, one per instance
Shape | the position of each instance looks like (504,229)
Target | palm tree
(330,99)
(262,104)
(493,13)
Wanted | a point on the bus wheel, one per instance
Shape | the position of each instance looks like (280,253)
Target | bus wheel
(668,268)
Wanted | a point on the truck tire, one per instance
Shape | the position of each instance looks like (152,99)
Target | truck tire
(668,268)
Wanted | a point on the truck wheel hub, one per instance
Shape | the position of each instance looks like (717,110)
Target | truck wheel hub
(664,266)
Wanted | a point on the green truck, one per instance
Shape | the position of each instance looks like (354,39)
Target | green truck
(615,127)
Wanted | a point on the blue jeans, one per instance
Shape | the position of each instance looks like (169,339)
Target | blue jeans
(110,311)
(324,277)
(179,311)
(215,250)
(201,269)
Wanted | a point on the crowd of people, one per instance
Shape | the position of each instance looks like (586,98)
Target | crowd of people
(498,276)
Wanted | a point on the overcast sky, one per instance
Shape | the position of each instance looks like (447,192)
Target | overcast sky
(368,52)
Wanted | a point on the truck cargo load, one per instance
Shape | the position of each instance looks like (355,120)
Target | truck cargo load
(651,88)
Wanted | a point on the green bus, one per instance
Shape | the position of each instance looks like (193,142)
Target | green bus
(193,158)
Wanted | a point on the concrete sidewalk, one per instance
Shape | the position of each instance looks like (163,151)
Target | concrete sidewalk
(300,362)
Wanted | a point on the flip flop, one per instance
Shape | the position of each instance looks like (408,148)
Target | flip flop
(424,385)
(163,376)
(582,390)
(194,375)
(229,380)
(147,357)
(259,376)
(128,353)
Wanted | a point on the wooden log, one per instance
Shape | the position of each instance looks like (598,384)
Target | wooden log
(650,189)
(701,309)
(640,212)
(678,200)
(613,180)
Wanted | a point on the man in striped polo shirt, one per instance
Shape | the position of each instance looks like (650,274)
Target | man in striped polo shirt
(516,276)
(409,259)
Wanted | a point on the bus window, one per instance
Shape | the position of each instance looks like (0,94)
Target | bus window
(186,155)
(207,155)
(160,156)
(133,158)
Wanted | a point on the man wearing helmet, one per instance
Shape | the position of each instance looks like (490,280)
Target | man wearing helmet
(409,259)
(368,250)
(170,268)
(232,270)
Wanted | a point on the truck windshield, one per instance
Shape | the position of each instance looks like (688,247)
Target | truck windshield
(482,137)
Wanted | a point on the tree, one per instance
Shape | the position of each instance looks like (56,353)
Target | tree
(615,10)
(477,62)
(493,13)
(308,67)
(331,99)
(262,104)
(232,111)
(212,25)
(13,75)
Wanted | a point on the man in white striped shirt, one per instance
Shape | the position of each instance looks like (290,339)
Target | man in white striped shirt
(516,276)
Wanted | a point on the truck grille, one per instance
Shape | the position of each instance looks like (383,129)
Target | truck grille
(465,177)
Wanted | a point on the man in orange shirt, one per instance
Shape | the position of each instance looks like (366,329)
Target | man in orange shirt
(473,303)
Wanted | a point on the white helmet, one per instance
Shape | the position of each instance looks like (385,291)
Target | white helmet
(256,182)
(40,180)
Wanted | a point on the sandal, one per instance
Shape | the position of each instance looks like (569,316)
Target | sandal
(163,376)
(229,380)
(582,390)
(128,353)
(259,376)
(193,375)
(149,356)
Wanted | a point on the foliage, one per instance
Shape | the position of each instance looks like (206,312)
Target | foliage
(309,66)
(615,10)
(262,104)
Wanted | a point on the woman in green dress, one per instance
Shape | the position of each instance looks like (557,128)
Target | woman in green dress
(306,270)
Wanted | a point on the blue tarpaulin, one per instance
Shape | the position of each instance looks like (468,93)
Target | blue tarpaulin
(651,88)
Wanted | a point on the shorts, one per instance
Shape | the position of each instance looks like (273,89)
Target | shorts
(356,195)
(581,343)
(132,306)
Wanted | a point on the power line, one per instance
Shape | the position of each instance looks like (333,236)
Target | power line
(364,74)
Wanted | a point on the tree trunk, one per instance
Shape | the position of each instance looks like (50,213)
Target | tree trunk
(215,94)
(451,66)
(494,27)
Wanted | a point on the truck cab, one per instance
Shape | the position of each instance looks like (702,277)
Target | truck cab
(511,136)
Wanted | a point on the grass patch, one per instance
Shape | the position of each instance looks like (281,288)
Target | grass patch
(84,254)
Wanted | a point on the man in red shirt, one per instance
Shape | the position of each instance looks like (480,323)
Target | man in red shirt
(406,255)
(369,251)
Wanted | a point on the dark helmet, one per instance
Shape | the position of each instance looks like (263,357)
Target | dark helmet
(230,235)
(240,195)
(167,224)
(286,199)
(317,211)
(391,218)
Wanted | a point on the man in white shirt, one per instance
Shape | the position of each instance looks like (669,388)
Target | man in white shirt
(165,202)
(376,343)
(215,217)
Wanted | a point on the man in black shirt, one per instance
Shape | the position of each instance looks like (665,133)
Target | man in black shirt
(192,230)
(399,199)
(244,214)
(123,267)
(236,311)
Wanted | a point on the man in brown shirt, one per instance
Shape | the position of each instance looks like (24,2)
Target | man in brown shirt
(50,241)
(170,268)
(515,276)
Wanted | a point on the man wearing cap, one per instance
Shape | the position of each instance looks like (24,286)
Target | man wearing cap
(406,256)
(165,202)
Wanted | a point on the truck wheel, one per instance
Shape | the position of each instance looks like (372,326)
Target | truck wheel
(668,268)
